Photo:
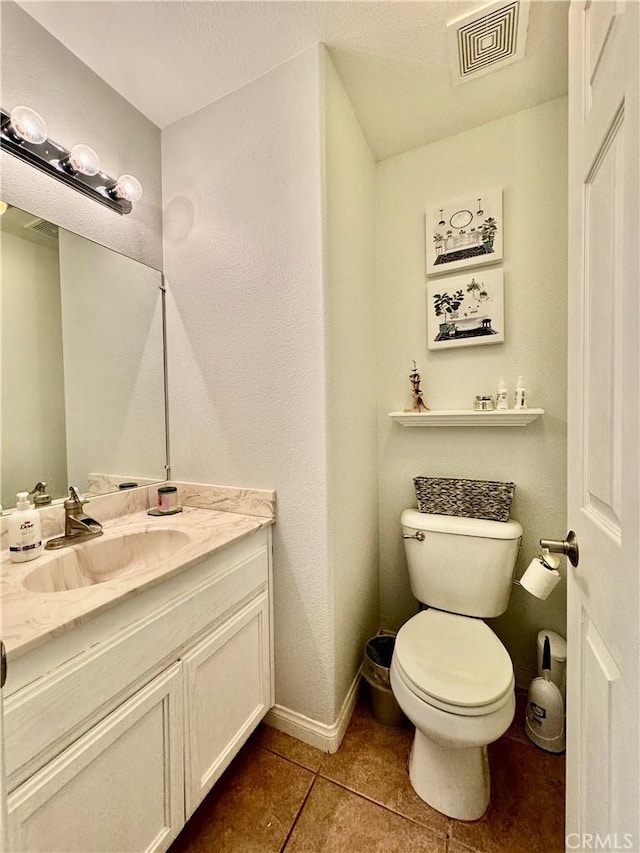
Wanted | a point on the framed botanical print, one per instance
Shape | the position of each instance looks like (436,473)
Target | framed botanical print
(466,310)
(464,232)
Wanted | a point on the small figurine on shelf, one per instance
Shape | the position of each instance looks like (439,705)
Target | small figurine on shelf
(419,404)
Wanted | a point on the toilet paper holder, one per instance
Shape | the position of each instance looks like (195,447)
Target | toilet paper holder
(568,547)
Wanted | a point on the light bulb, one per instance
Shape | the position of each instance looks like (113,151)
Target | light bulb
(3,207)
(128,187)
(84,160)
(29,125)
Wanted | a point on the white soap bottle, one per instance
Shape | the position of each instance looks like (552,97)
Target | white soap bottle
(501,395)
(521,395)
(25,536)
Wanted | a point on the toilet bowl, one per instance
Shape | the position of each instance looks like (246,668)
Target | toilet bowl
(453,679)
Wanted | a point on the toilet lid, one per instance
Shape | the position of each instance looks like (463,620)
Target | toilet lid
(455,659)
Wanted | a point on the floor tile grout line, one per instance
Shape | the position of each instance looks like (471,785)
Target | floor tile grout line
(286,758)
(298,813)
(447,834)
(463,847)
(362,796)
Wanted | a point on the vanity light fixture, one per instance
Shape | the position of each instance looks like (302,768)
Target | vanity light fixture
(127,187)
(23,133)
(81,159)
(27,125)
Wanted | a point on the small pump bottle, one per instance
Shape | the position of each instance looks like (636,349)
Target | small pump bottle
(521,395)
(25,537)
(501,395)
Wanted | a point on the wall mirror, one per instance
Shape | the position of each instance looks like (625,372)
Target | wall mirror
(83,358)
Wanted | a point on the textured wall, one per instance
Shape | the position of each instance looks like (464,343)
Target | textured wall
(243,259)
(349,232)
(78,106)
(525,154)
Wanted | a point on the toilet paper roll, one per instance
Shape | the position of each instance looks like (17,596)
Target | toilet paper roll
(539,580)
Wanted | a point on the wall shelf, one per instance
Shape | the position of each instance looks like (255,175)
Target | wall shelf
(463,417)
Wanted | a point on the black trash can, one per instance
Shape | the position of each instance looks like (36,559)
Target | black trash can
(378,652)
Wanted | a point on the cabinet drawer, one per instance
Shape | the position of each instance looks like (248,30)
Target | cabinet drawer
(120,787)
(46,716)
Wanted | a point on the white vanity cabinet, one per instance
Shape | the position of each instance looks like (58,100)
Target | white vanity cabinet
(113,747)
(118,788)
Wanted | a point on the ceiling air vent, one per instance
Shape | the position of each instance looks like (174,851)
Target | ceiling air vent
(42,227)
(487,39)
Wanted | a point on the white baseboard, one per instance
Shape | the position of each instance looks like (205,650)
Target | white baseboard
(325,737)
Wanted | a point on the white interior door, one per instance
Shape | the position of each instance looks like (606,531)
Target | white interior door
(603,757)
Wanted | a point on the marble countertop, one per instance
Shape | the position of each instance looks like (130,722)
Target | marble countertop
(30,618)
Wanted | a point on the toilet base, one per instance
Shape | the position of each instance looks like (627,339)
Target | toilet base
(454,781)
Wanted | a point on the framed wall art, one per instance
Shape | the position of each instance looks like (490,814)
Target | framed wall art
(466,310)
(465,232)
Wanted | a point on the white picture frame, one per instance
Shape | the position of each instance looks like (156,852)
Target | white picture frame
(464,232)
(466,310)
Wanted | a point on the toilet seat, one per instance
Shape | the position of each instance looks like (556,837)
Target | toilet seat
(455,663)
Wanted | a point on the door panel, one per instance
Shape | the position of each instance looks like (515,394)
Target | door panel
(603,592)
(603,402)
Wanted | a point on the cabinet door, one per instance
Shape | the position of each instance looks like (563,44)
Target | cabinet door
(227,692)
(118,788)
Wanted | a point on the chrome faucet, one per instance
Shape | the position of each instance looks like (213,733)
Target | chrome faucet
(78,527)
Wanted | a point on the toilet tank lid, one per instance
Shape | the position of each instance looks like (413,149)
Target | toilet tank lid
(481,527)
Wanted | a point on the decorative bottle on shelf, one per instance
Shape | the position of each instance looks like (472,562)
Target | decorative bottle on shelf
(501,395)
(520,401)
(25,537)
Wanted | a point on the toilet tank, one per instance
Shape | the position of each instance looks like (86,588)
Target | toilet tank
(463,565)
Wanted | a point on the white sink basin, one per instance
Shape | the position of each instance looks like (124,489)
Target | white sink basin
(104,559)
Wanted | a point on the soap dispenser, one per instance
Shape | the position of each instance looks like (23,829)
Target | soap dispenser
(25,537)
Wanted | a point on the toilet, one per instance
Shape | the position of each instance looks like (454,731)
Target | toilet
(450,673)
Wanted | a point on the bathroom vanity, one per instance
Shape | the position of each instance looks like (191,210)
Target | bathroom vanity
(128,695)
(140,661)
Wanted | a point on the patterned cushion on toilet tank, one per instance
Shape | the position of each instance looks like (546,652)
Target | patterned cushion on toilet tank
(457,660)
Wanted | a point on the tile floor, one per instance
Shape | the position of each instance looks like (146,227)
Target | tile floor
(282,795)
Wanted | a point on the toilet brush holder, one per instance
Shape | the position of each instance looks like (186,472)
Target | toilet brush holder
(545,723)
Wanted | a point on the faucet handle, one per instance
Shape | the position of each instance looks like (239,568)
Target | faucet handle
(40,491)
(75,499)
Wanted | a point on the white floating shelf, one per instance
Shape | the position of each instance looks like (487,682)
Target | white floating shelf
(444,418)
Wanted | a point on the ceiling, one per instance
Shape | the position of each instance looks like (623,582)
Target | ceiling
(171,58)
